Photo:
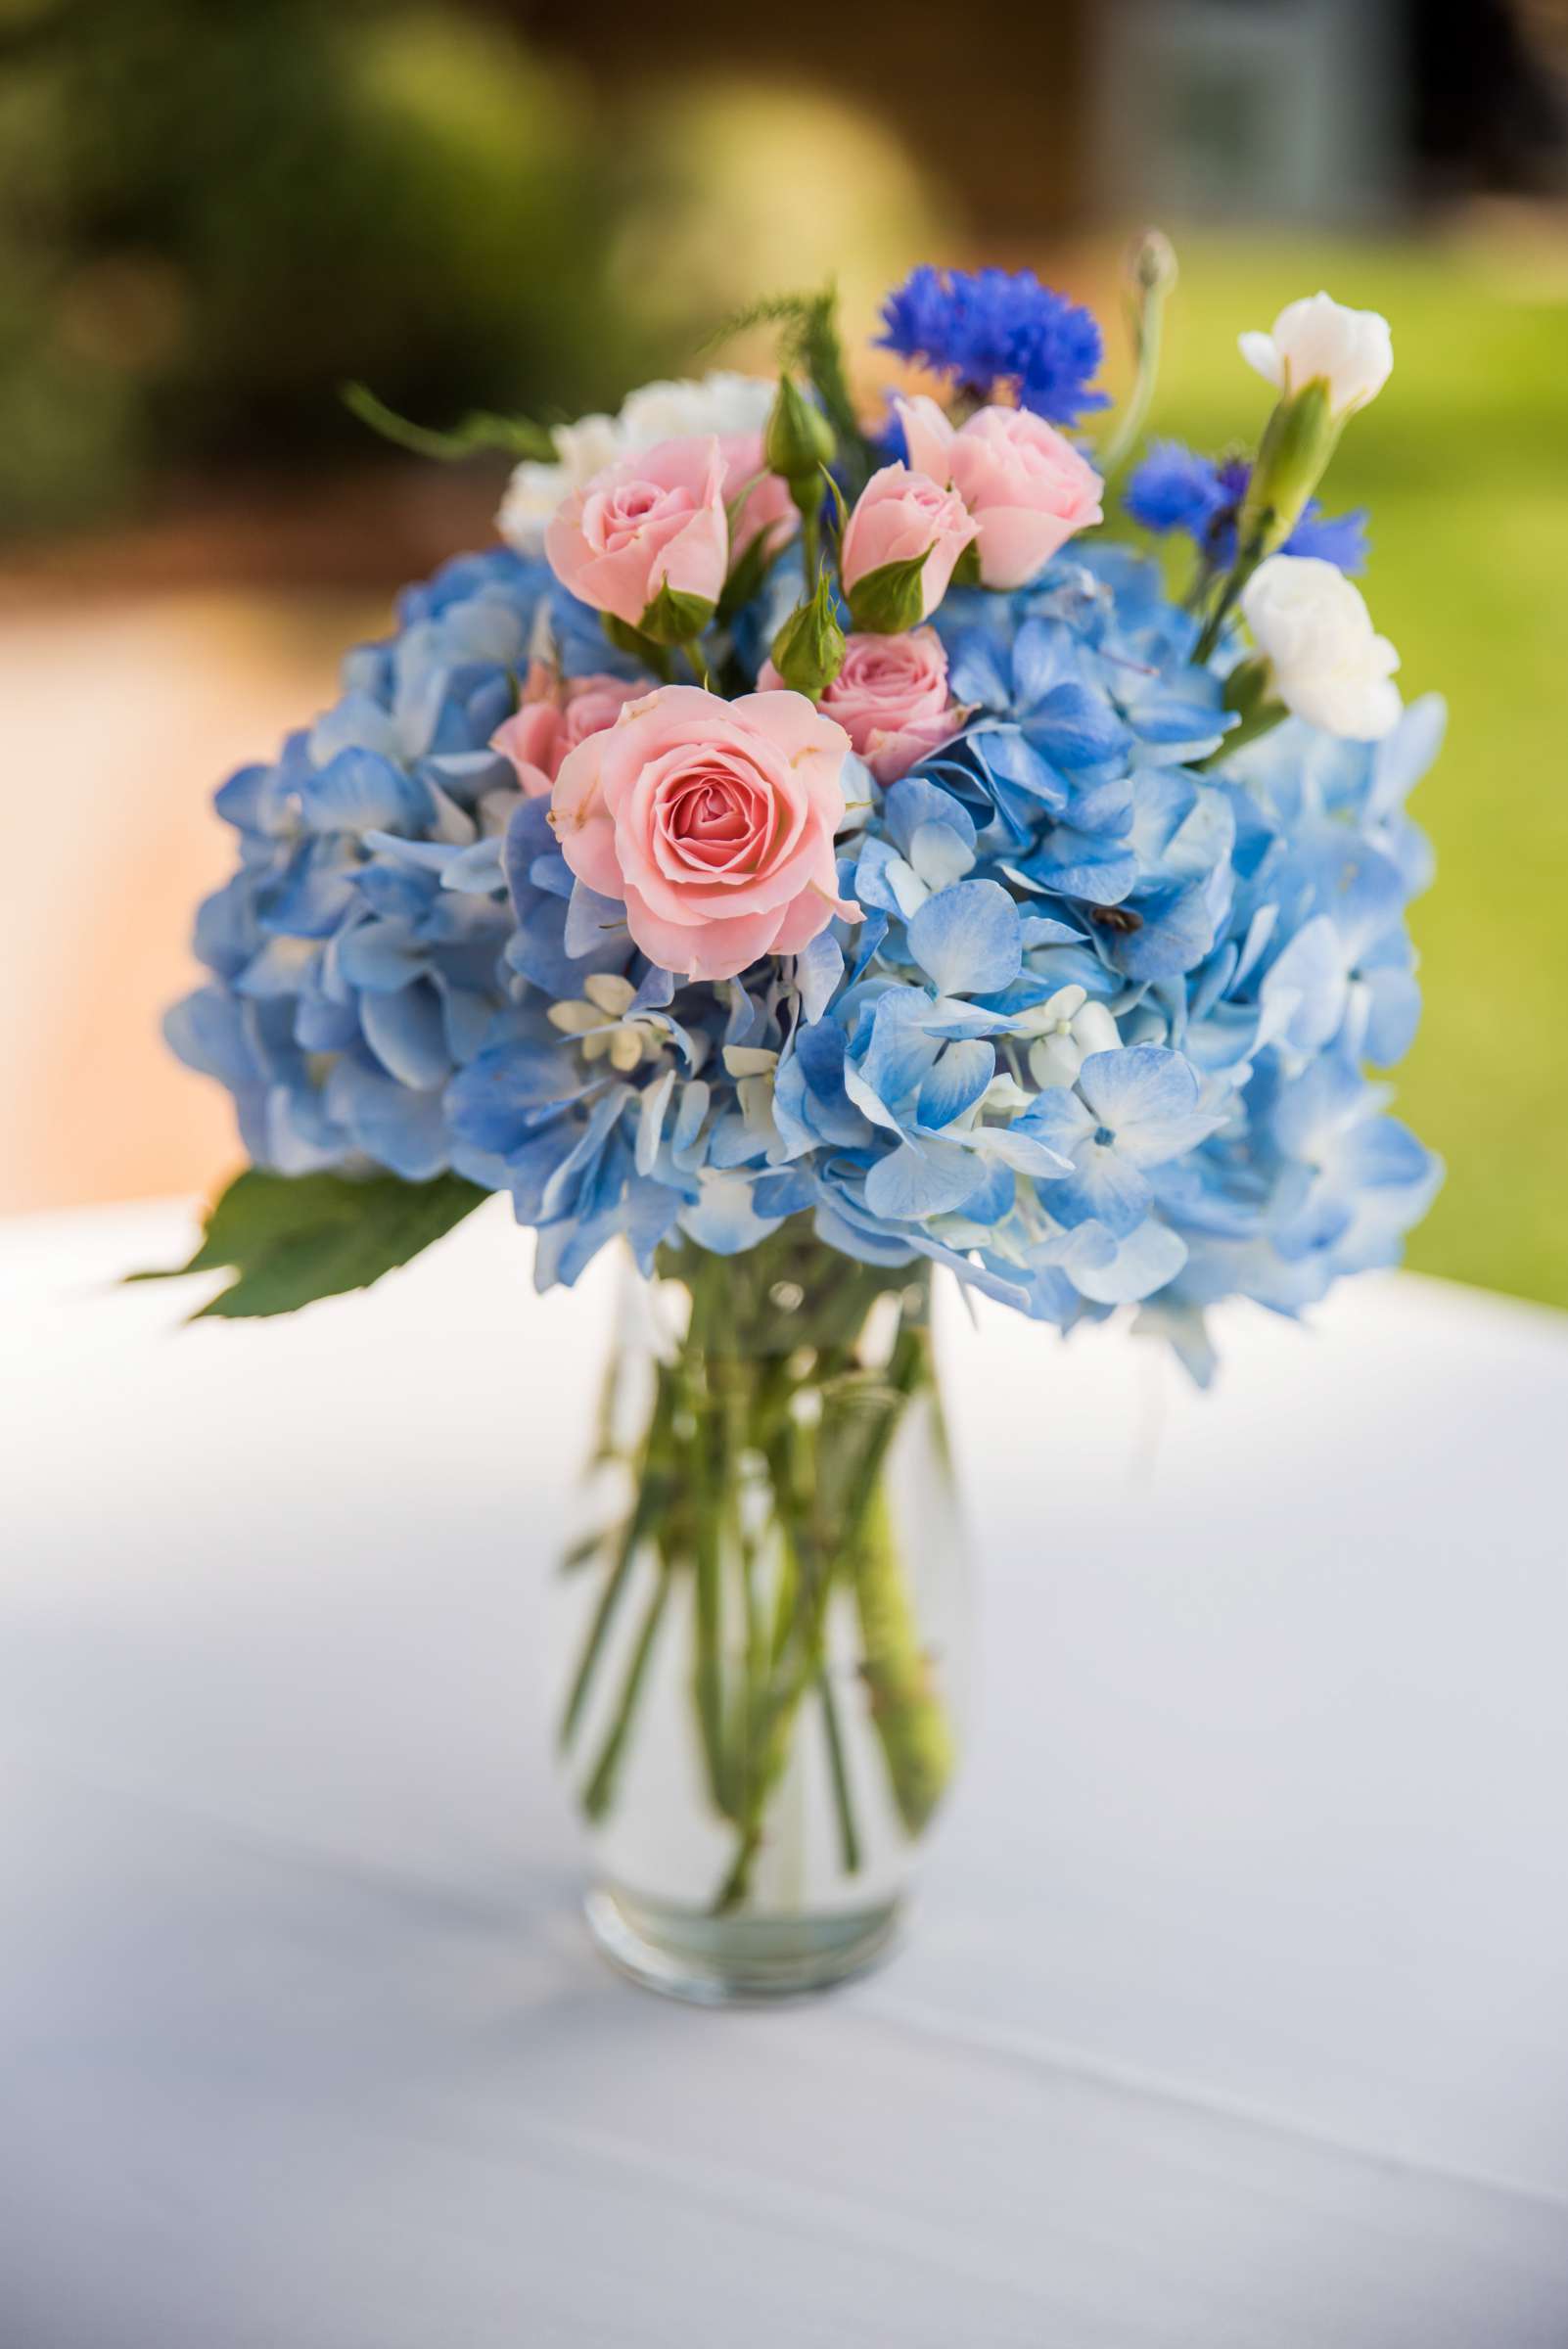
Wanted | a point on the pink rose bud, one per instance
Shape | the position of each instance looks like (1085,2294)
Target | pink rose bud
(652,520)
(1028,490)
(713,821)
(899,517)
(556,713)
(891,698)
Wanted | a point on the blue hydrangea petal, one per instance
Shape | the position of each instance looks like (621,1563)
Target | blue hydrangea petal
(966,939)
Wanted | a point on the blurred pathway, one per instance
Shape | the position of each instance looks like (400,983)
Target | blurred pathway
(119,717)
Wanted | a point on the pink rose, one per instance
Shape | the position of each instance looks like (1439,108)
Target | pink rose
(1026,488)
(898,515)
(713,821)
(557,714)
(768,504)
(653,518)
(891,698)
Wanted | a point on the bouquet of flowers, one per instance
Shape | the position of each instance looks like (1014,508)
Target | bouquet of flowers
(813,851)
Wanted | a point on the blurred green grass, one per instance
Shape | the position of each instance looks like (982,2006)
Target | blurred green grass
(1463,463)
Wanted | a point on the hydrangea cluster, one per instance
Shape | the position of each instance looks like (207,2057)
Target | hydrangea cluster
(1023,943)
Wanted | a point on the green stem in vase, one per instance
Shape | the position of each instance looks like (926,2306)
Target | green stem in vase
(600,1790)
(837,1771)
(653,1494)
(817,1558)
(909,1719)
(706,1491)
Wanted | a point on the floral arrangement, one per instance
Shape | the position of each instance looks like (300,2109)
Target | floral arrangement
(813,852)
(802,823)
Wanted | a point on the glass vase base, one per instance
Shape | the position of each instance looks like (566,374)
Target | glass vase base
(738,1960)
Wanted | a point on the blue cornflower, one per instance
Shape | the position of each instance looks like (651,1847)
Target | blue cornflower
(990,327)
(1176,489)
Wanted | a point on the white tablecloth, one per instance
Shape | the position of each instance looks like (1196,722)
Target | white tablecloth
(1237,2015)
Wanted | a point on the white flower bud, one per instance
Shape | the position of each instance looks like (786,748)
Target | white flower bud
(1329,664)
(1319,339)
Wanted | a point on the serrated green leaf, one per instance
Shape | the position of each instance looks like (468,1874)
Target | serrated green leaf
(471,436)
(289,1239)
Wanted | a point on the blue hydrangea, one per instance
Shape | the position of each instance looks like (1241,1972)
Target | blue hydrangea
(1173,489)
(1099,1039)
(993,329)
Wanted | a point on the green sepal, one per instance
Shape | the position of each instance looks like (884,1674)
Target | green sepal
(292,1238)
(809,650)
(1297,441)
(966,570)
(631,641)
(1250,684)
(840,507)
(674,618)
(1251,696)
(890,599)
(471,434)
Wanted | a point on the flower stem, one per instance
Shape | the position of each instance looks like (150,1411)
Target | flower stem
(838,1769)
(652,1495)
(1151,275)
(600,1790)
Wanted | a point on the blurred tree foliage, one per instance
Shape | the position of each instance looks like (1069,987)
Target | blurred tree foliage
(212,212)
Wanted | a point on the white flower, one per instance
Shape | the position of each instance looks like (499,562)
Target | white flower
(532,495)
(535,490)
(1066,1029)
(721,402)
(1353,350)
(1330,667)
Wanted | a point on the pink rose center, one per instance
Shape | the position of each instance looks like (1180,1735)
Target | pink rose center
(715,816)
(613,521)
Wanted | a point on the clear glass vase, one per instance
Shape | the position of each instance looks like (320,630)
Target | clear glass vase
(767,1620)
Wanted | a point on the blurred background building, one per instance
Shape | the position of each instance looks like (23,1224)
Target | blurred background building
(212,216)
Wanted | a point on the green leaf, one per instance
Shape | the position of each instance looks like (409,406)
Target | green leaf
(289,1239)
(471,436)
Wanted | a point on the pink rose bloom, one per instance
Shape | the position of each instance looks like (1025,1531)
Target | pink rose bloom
(713,821)
(898,515)
(768,504)
(891,698)
(1027,488)
(557,714)
(652,518)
